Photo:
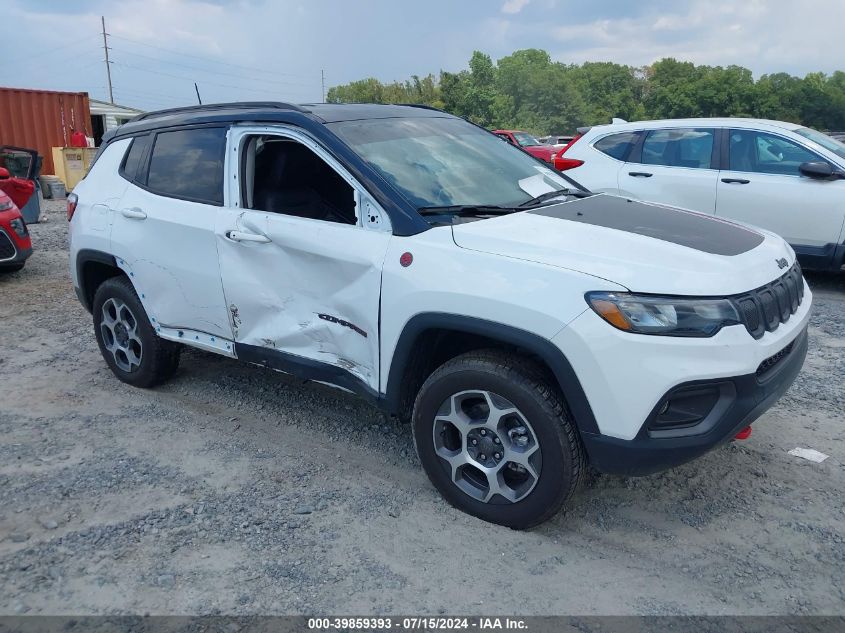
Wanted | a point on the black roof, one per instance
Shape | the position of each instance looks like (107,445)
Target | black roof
(273,111)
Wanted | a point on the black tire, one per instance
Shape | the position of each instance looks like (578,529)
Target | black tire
(11,268)
(159,359)
(523,384)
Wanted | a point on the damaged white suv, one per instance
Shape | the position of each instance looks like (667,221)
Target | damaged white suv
(524,325)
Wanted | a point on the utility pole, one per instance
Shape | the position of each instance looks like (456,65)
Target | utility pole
(323,84)
(106,49)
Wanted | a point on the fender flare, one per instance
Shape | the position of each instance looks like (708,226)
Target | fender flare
(86,256)
(541,347)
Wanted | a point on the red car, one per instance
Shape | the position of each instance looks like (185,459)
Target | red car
(15,243)
(525,141)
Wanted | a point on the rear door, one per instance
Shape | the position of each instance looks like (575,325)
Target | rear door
(763,186)
(301,254)
(676,166)
(164,228)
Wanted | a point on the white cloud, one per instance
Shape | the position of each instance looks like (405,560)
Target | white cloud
(514,6)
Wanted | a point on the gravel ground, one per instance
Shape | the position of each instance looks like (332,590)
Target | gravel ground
(240,491)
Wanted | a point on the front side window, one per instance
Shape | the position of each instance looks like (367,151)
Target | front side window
(616,145)
(763,153)
(828,142)
(436,161)
(188,164)
(684,147)
(283,176)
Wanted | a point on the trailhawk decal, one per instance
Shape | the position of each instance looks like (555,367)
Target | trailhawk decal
(694,230)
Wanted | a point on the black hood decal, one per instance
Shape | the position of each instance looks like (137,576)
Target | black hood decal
(693,230)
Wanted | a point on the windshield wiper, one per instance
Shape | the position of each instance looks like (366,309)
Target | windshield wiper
(467,210)
(550,195)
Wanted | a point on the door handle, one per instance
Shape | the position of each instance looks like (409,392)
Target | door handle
(640,174)
(240,236)
(134,213)
(735,181)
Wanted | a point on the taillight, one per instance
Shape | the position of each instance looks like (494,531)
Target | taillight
(71,205)
(561,163)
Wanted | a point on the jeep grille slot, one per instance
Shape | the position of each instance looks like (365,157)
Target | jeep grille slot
(765,308)
(768,364)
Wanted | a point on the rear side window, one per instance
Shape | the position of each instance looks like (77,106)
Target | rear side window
(129,168)
(691,147)
(616,145)
(188,164)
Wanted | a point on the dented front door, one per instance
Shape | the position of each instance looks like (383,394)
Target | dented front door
(303,289)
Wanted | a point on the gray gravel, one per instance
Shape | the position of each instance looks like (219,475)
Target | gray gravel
(240,491)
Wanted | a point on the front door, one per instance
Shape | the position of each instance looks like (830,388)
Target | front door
(763,187)
(301,272)
(674,167)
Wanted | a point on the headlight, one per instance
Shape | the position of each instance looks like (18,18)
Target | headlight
(667,316)
(5,206)
(19,227)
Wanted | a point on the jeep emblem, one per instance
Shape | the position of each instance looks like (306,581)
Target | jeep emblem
(782,263)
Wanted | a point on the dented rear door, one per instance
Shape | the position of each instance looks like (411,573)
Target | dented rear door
(303,290)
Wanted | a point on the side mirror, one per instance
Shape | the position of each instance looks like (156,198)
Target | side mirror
(4,173)
(819,170)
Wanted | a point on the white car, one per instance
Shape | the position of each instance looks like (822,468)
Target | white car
(779,176)
(525,326)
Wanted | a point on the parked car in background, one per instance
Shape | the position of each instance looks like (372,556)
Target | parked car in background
(778,176)
(15,242)
(524,326)
(556,140)
(528,143)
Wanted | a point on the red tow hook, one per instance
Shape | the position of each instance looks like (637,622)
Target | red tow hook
(744,434)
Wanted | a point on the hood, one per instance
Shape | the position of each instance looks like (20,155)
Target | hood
(645,247)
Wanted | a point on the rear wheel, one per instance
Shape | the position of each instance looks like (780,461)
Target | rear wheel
(127,340)
(494,438)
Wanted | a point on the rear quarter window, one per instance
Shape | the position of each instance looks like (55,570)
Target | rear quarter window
(188,164)
(616,145)
(132,160)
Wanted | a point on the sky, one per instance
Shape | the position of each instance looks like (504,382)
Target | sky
(276,50)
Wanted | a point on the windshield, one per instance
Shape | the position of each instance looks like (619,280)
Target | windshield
(525,139)
(829,143)
(437,162)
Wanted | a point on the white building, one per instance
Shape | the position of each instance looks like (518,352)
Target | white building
(107,116)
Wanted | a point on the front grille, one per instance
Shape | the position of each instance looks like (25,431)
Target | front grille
(767,365)
(7,249)
(764,309)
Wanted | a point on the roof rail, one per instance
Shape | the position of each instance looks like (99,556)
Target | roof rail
(210,107)
(420,105)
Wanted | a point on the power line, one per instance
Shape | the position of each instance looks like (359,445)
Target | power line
(212,71)
(28,58)
(184,78)
(209,59)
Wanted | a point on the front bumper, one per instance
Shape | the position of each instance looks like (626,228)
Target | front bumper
(11,251)
(742,400)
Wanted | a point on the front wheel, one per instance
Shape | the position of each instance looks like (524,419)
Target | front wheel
(495,439)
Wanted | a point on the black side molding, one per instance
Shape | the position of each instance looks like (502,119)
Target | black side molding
(306,369)
(544,349)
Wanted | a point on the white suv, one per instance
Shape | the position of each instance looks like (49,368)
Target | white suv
(779,176)
(525,326)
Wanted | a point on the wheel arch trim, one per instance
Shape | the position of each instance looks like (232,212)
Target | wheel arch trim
(84,257)
(543,348)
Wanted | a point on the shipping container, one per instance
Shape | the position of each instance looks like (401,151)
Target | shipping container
(42,120)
